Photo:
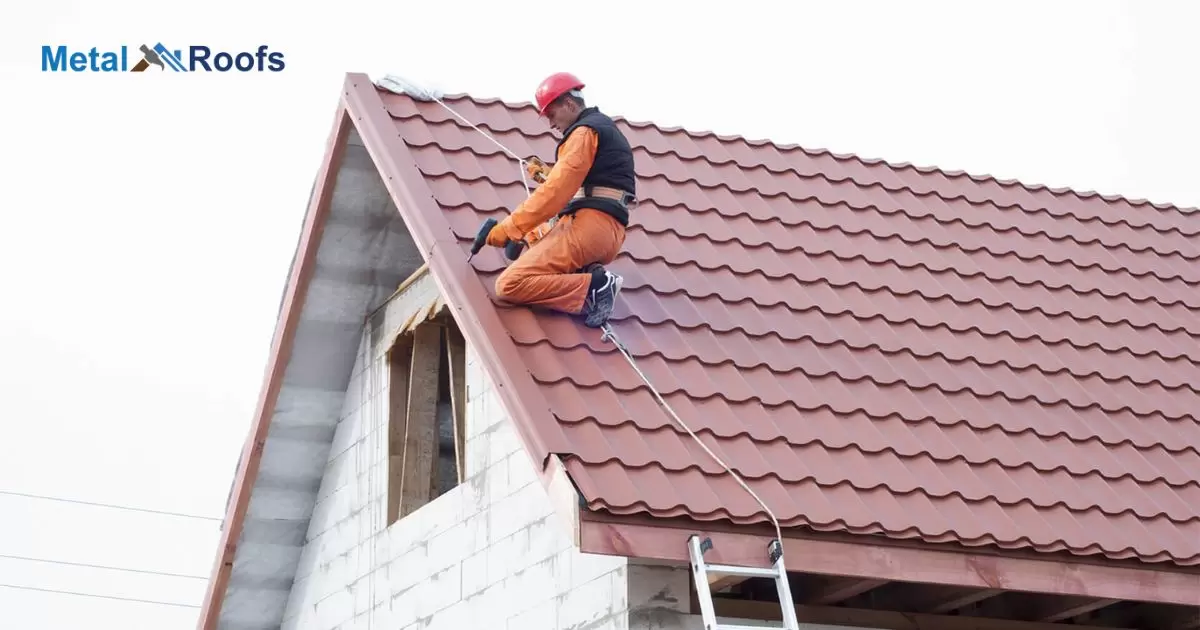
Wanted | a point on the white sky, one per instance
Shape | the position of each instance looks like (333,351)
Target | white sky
(150,220)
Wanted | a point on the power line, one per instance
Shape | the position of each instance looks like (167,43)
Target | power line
(97,596)
(110,506)
(101,566)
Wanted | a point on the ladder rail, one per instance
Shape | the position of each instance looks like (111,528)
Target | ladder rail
(701,570)
(700,575)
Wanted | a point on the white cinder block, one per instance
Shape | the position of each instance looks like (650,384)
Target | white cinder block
(490,603)
(494,483)
(588,603)
(448,547)
(546,538)
(383,616)
(456,617)
(334,575)
(562,564)
(363,590)
(586,567)
(474,535)
(502,442)
(477,453)
(505,520)
(543,615)
(480,532)
(336,608)
(405,604)
(476,422)
(346,433)
(475,573)
(472,494)
(383,553)
(518,597)
(533,500)
(407,570)
(338,473)
(620,581)
(520,469)
(616,621)
(504,555)
(441,590)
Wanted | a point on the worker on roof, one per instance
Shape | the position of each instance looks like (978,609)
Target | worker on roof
(575,221)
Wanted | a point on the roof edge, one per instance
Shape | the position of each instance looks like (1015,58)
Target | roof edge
(457,280)
(299,276)
(876,560)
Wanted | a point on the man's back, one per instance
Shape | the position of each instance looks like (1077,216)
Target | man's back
(613,165)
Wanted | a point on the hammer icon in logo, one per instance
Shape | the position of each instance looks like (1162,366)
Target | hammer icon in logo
(149,57)
(152,57)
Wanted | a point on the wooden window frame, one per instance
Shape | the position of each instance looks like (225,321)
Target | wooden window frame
(415,362)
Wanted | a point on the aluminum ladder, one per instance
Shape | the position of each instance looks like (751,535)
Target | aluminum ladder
(701,570)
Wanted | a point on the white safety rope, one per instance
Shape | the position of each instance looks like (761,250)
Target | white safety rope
(399,84)
(609,335)
(521,163)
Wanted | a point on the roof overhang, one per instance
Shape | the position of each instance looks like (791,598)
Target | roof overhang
(665,542)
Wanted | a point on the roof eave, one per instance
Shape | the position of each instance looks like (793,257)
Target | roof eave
(658,541)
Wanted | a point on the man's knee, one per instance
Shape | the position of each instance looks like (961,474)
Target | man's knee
(508,284)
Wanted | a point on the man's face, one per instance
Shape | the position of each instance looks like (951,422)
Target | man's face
(561,114)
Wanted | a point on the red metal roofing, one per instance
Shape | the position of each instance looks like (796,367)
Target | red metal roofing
(877,348)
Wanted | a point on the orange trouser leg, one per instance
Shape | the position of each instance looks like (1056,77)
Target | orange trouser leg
(547,274)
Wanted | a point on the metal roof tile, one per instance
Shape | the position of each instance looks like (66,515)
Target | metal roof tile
(878,348)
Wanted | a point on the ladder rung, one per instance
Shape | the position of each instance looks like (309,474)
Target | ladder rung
(742,571)
(722,626)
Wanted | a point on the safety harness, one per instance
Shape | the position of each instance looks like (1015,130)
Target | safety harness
(611,184)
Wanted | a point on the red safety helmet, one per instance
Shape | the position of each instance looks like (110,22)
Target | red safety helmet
(555,86)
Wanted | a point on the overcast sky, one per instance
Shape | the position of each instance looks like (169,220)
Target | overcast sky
(150,220)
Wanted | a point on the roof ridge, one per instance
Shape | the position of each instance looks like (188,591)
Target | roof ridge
(855,157)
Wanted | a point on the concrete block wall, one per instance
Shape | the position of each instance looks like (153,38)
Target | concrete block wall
(489,553)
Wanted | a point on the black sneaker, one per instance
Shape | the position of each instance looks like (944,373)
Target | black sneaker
(590,268)
(600,302)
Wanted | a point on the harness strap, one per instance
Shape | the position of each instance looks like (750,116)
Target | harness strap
(611,201)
